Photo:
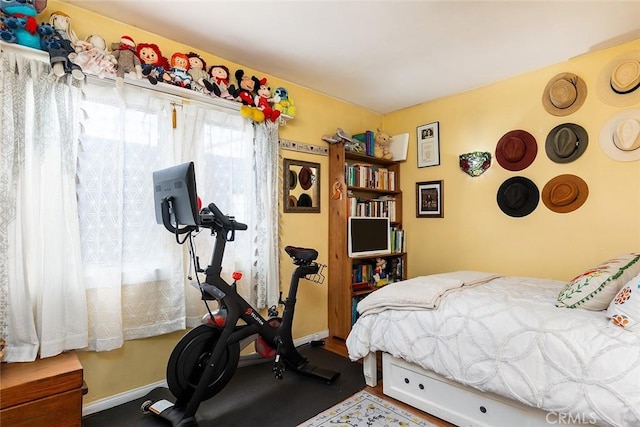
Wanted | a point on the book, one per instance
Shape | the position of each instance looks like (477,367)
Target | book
(398,147)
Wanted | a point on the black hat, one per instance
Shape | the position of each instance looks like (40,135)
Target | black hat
(518,196)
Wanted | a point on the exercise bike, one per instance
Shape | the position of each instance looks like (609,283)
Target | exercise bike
(205,359)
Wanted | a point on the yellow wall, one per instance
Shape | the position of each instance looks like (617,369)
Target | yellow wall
(474,233)
(143,362)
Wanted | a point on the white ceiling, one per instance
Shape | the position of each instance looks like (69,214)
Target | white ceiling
(385,55)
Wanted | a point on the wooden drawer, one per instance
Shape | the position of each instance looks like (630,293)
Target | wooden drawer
(45,392)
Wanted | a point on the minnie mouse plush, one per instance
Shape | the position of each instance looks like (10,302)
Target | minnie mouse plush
(263,101)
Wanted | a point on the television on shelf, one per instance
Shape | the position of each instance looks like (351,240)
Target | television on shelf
(368,236)
(179,184)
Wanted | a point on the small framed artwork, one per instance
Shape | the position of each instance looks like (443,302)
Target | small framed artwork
(428,137)
(429,200)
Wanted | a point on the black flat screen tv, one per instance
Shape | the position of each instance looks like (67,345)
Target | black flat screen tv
(178,183)
(368,236)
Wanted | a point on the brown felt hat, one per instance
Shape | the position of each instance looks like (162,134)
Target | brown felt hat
(565,193)
(305,177)
(566,142)
(564,94)
(516,150)
(619,81)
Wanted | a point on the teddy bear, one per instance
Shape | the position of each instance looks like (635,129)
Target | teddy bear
(18,23)
(154,65)
(381,145)
(283,102)
(246,92)
(263,101)
(128,61)
(217,82)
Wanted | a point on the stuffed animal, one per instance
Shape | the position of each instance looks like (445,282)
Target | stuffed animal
(153,64)
(381,145)
(263,101)
(246,92)
(217,82)
(18,23)
(197,71)
(60,44)
(92,56)
(178,75)
(283,102)
(128,61)
(380,272)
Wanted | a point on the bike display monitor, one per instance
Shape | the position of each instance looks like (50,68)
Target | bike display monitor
(179,184)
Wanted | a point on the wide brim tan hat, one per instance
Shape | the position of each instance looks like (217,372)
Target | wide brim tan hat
(620,136)
(516,150)
(565,193)
(564,94)
(566,142)
(619,81)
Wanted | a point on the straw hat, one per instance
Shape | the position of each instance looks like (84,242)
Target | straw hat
(566,142)
(620,136)
(564,94)
(619,81)
(518,196)
(516,150)
(565,193)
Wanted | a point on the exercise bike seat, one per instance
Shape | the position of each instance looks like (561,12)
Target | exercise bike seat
(303,254)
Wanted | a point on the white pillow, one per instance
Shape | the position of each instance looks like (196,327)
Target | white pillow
(624,309)
(595,288)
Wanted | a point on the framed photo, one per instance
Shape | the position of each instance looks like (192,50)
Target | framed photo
(428,137)
(429,199)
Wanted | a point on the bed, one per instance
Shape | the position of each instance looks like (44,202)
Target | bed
(480,349)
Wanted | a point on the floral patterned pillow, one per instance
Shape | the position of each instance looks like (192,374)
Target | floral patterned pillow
(624,310)
(595,288)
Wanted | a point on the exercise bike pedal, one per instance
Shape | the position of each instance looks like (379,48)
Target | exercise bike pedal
(321,373)
(167,410)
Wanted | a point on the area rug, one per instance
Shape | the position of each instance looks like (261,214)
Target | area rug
(363,410)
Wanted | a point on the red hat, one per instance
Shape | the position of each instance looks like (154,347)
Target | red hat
(128,41)
(516,150)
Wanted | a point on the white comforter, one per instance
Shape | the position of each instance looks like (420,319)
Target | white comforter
(506,336)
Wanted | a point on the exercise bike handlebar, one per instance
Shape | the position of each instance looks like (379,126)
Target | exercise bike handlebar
(211,212)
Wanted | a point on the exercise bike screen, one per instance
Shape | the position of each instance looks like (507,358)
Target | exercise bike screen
(179,183)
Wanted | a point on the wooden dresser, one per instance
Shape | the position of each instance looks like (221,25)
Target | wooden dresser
(47,392)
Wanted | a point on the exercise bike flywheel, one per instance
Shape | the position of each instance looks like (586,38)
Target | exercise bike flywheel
(190,358)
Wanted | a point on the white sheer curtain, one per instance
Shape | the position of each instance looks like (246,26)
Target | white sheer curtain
(42,296)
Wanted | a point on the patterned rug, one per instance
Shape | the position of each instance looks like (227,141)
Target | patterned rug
(364,409)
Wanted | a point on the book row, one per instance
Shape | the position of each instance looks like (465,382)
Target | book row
(369,176)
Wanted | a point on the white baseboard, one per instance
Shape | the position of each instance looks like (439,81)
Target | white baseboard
(136,393)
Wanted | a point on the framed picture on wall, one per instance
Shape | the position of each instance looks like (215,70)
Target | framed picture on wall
(428,137)
(429,201)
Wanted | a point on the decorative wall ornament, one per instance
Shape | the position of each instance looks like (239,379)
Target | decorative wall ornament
(475,163)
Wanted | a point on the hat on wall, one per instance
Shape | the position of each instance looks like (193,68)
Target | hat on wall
(516,150)
(619,81)
(305,177)
(518,196)
(564,94)
(293,179)
(620,136)
(566,142)
(565,193)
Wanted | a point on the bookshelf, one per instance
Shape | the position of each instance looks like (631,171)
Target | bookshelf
(369,187)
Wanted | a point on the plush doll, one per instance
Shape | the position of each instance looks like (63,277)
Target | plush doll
(283,102)
(179,73)
(128,61)
(380,272)
(217,82)
(92,56)
(154,65)
(381,145)
(60,44)
(263,101)
(18,23)
(197,72)
(246,93)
